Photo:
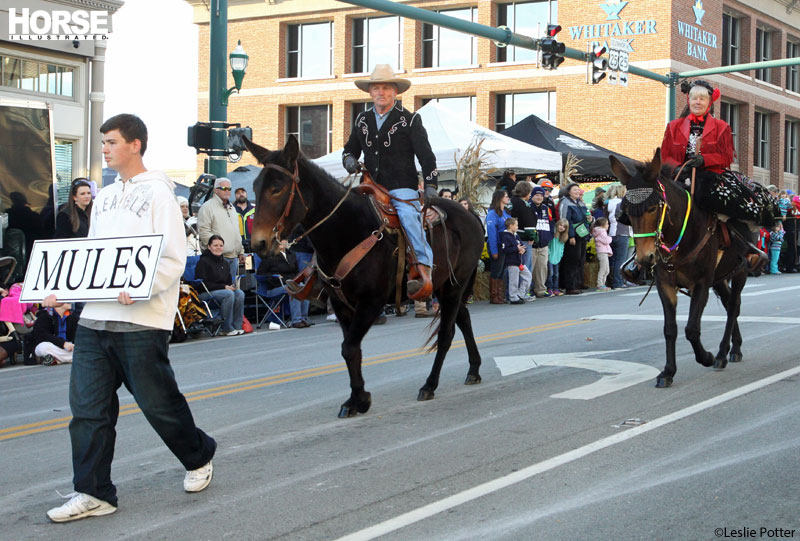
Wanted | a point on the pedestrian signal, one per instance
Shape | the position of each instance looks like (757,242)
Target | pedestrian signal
(552,50)
(597,65)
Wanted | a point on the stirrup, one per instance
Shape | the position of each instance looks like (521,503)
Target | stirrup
(419,286)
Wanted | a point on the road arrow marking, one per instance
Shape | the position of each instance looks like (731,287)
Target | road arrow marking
(617,375)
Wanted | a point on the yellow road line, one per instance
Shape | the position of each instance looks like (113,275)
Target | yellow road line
(297,375)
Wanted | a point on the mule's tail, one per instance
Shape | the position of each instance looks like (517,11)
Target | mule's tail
(465,294)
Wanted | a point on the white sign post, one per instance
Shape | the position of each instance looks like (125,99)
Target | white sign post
(618,65)
(79,270)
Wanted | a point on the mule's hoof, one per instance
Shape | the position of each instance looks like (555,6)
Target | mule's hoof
(720,363)
(346,412)
(425,394)
(735,357)
(663,383)
(472,380)
(708,361)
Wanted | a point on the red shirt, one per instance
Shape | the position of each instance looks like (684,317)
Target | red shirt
(716,146)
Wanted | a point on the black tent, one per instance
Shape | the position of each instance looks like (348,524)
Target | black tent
(594,158)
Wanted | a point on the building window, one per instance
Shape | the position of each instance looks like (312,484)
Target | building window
(309,50)
(729,112)
(730,40)
(377,40)
(763,52)
(511,108)
(790,158)
(792,72)
(462,106)
(311,125)
(35,76)
(529,19)
(64,174)
(761,146)
(442,47)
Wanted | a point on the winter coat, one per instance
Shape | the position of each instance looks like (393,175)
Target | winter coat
(278,264)
(602,241)
(575,213)
(495,224)
(544,224)
(214,218)
(716,147)
(45,329)
(522,211)
(509,245)
(389,152)
(64,225)
(214,271)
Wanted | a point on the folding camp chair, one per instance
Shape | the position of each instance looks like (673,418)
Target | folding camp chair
(276,305)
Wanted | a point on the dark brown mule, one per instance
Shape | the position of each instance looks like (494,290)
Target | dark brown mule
(292,190)
(691,256)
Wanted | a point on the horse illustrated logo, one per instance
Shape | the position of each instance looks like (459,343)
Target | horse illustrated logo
(613,9)
(698,12)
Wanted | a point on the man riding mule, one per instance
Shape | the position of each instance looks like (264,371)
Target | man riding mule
(702,147)
(390,136)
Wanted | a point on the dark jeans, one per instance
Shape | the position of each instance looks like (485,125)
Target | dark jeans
(572,265)
(103,361)
(619,245)
(497,267)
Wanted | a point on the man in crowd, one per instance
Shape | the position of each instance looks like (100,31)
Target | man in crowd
(53,334)
(126,341)
(218,216)
(390,136)
(246,213)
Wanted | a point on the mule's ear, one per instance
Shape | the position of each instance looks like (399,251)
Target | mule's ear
(619,169)
(655,165)
(291,151)
(259,152)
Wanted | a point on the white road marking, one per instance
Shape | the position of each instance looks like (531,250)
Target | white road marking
(777,290)
(434,508)
(685,317)
(616,374)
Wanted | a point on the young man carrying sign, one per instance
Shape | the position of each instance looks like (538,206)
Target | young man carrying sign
(126,341)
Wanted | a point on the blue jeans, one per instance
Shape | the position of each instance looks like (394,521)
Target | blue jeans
(303,260)
(619,245)
(298,309)
(231,307)
(774,255)
(411,221)
(552,276)
(527,257)
(104,360)
(234,263)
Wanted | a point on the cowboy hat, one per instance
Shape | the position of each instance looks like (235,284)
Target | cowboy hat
(383,73)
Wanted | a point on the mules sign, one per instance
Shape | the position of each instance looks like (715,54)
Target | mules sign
(78,270)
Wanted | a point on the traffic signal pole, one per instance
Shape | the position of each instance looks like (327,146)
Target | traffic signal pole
(217,86)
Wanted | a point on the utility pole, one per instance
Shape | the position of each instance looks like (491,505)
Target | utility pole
(217,84)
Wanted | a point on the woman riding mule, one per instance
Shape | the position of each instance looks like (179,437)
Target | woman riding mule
(689,252)
(340,222)
(702,146)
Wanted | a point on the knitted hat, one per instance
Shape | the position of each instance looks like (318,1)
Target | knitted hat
(537,190)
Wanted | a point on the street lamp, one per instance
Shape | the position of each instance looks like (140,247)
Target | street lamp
(238,59)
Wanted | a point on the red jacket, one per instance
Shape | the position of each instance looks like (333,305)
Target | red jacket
(716,146)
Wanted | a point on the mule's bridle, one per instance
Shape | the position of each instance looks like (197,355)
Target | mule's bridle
(658,233)
(295,189)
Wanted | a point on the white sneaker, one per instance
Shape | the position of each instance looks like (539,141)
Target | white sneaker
(80,506)
(331,317)
(197,480)
(234,332)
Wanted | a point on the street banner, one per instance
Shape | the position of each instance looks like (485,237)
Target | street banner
(79,270)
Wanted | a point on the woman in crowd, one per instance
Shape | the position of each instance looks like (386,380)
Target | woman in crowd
(495,224)
(284,264)
(216,275)
(73,220)
(620,235)
(508,182)
(573,209)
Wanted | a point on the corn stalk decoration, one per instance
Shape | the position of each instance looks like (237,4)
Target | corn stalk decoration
(571,166)
(472,171)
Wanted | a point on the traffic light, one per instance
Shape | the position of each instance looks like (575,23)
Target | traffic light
(552,50)
(597,65)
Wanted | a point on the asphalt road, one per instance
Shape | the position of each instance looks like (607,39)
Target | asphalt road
(540,450)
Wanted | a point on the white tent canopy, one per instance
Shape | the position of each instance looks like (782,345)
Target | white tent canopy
(450,136)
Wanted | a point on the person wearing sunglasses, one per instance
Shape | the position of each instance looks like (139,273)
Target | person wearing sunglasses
(73,220)
(218,216)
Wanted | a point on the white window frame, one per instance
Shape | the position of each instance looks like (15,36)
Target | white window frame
(435,41)
(763,52)
(551,108)
(299,51)
(298,132)
(792,134)
(731,24)
(366,60)
(761,140)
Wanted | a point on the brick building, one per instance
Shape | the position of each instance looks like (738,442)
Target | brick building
(305,55)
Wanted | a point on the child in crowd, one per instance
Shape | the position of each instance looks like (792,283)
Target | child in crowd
(519,277)
(784,203)
(603,243)
(556,252)
(775,243)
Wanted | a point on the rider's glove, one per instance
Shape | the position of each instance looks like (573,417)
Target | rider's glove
(350,164)
(695,161)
